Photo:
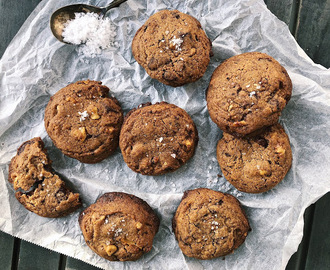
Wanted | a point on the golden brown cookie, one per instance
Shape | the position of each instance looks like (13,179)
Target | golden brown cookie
(83,121)
(247,92)
(38,188)
(255,164)
(156,139)
(209,224)
(119,226)
(172,47)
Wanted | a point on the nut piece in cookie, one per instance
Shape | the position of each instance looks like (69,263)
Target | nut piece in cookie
(209,224)
(255,164)
(172,47)
(83,121)
(38,188)
(156,139)
(119,226)
(248,92)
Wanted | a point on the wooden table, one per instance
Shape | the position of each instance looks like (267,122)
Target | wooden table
(309,22)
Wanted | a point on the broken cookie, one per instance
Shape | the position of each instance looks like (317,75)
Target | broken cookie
(38,188)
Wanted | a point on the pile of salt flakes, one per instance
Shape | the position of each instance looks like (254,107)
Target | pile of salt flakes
(94,32)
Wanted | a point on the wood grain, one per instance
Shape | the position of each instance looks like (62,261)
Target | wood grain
(285,10)
(313,31)
(12,15)
(35,257)
(318,252)
(6,251)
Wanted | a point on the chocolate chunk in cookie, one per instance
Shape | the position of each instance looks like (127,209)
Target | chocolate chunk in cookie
(156,139)
(83,121)
(172,47)
(247,92)
(119,226)
(255,164)
(38,188)
(209,224)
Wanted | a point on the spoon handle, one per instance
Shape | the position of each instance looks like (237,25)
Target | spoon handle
(113,4)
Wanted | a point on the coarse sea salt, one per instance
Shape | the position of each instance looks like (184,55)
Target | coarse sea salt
(177,43)
(83,115)
(92,31)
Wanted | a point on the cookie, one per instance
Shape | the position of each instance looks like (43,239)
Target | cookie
(247,92)
(209,224)
(83,121)
(38,188)
(156,139)
(258,163)
(119,226)
(172,47)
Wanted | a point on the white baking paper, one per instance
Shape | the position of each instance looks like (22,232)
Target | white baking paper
(35,66)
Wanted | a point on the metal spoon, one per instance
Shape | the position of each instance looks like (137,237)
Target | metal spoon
(62,15)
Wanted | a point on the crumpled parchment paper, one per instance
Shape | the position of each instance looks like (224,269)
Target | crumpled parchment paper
(36,65)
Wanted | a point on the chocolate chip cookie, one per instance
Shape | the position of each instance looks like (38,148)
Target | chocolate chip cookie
(255,164)
(119,226)
(209,224)
(172,47)
(156,139)
(247,92)
(83,121)
(38,188)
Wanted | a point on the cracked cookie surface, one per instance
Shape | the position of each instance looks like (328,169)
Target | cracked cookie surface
(209,224)
(156,139)
(38,188)
(172,47)
(119,226)
(258,163)
(83,121)
(247,92)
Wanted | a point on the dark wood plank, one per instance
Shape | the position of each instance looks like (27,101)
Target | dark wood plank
(313,32)
(285,10)
(12,15)
(34,257)
(73,264)
(298,259)
(6,250)
(318,256)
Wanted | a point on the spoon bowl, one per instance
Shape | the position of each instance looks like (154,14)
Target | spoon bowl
(61,16)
